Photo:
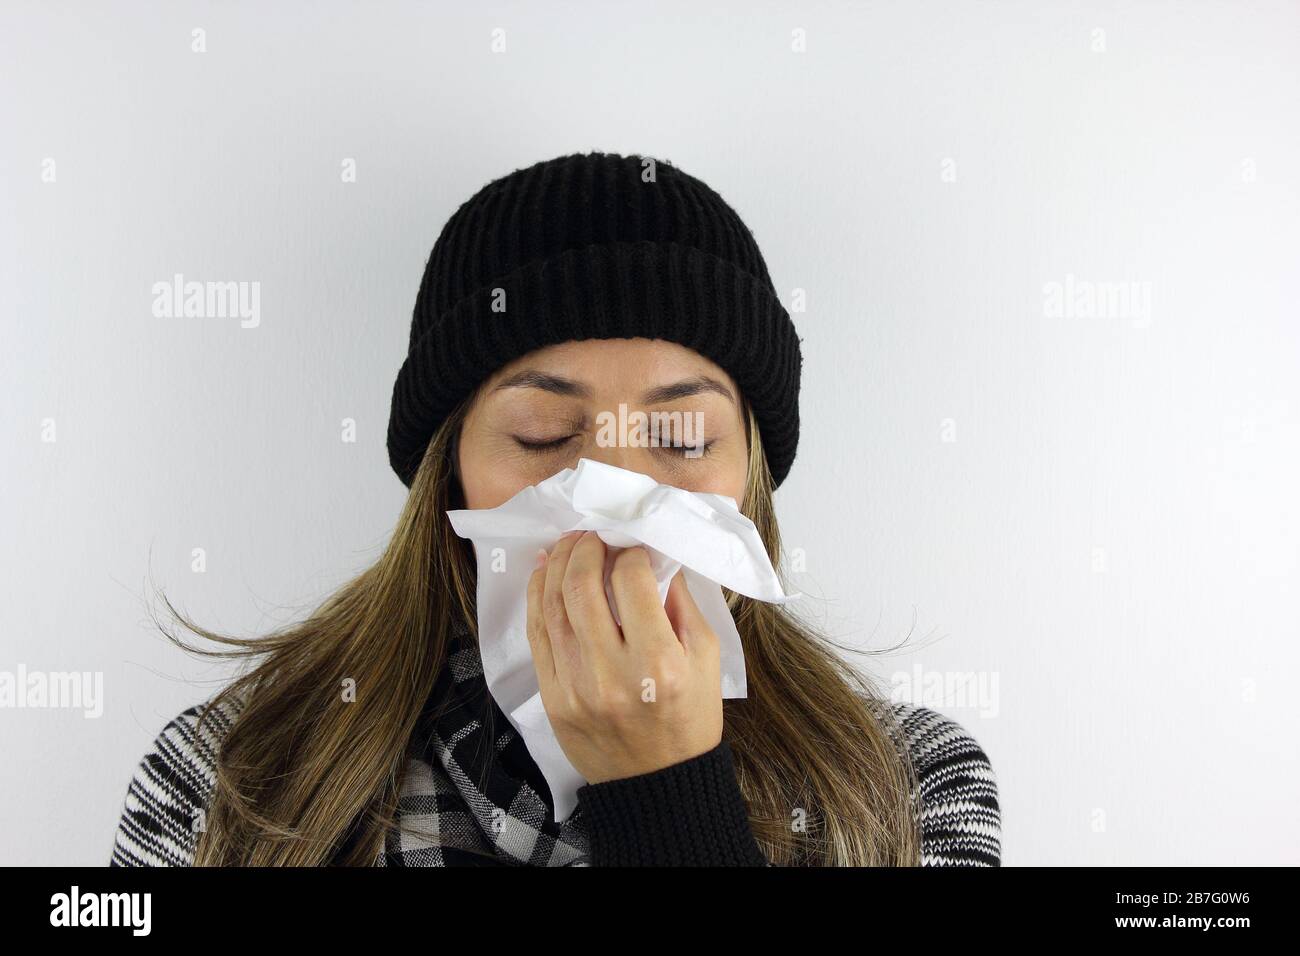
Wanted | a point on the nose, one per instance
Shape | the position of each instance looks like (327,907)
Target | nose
(619,457)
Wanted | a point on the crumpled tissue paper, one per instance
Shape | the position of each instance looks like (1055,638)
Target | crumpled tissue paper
(703,533)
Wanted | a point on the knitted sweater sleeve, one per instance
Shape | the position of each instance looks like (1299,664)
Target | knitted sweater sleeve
(960,818)
(169,792)
(689,814)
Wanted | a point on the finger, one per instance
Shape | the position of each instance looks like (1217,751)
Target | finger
(639,606)
(585,600)
(538,640)
(553,611)
(687,620)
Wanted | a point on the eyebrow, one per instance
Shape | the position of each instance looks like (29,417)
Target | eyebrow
(558,385)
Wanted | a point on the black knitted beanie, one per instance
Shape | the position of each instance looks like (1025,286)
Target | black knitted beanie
(594,246)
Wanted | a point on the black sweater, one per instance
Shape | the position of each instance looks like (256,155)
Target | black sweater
(690,814)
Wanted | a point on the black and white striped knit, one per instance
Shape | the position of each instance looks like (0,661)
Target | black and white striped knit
(458,808)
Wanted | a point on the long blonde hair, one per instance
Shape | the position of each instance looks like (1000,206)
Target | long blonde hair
(306,777)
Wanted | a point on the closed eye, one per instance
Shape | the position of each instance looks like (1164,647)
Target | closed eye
(672,448)
(687,451)
(540,447)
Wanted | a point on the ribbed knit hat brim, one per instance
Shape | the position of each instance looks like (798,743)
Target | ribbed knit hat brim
(581,248)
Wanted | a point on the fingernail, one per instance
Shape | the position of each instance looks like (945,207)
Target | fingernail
(540,560)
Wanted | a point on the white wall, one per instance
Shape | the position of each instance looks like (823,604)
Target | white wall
(1108,547)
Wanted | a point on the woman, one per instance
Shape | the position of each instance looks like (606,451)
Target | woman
(365,735)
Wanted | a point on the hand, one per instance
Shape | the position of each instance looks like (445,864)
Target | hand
(630,700)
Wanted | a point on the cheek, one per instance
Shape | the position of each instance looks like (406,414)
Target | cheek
(720,480)
(723,472)
(487,489)
(490,480)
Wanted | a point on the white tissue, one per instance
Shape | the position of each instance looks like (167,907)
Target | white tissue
(703,533)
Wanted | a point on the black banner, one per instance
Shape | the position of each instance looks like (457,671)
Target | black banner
(336,905)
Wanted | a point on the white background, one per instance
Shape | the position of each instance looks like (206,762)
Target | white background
(1110,542)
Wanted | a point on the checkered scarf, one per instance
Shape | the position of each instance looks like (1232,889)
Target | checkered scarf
(473,795)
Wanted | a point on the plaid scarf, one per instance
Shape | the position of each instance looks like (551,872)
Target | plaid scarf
(473,795)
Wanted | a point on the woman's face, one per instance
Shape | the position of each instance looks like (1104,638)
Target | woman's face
(542,412)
